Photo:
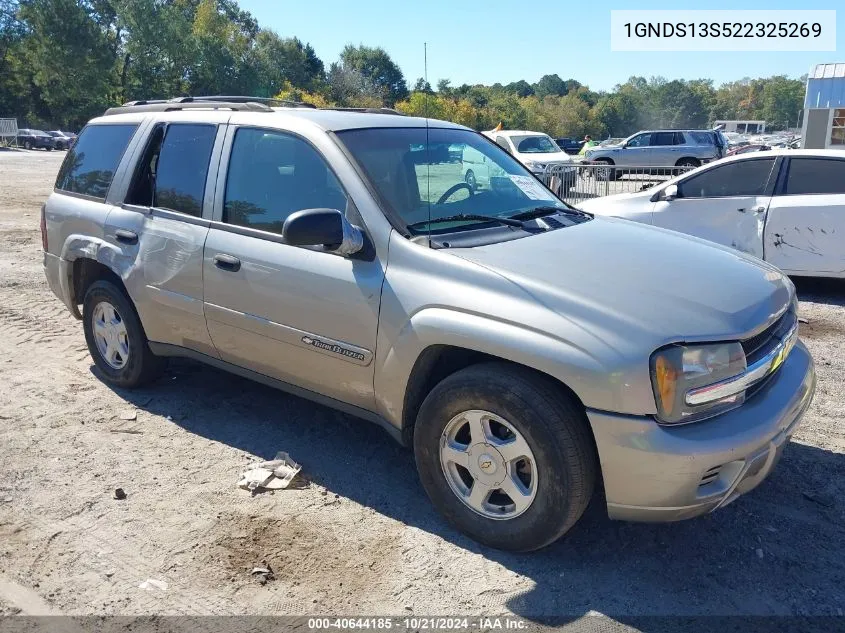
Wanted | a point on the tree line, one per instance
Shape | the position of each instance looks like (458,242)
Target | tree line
(65,61)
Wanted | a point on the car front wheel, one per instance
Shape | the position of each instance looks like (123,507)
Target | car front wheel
(505,455)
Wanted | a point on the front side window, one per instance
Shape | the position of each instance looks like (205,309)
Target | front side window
(539,144)
(640,140)
(680,139)
(89,166)
(418,185)
(815,176)
(273,174)
(738,178)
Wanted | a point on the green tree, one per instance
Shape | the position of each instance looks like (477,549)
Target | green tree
(550,85)
(376,66)
(69,60)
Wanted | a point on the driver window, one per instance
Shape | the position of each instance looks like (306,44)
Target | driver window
(271,175)
(641,140)
(739,178)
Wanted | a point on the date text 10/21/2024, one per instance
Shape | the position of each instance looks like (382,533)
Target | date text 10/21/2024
(419,623)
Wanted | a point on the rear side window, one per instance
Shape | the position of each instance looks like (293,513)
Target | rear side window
(738,178)
(182,167)
(815,176)
(701,138)
(679,138)
(663,138)
(89,166)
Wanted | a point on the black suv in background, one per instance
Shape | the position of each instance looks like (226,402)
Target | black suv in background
(34,139)
(569,145)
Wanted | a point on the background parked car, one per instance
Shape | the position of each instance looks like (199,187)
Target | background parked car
(569,145)
(535,150)
(63,140)
(747,149)
(661,148)
(33,139)
(784,206)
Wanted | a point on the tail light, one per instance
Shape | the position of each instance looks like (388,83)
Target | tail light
(44,227)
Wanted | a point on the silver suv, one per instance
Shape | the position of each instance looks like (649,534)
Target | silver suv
(651,149)
(527,351)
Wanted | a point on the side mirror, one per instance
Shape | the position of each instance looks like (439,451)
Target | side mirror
(323,227)
(670,193)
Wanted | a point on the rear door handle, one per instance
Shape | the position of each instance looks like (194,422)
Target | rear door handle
(227,262)
(754,210)
(127,237)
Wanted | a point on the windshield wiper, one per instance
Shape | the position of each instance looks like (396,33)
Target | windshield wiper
(470,216)
(539,212)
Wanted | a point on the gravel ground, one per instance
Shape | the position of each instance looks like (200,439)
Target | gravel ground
(358,536)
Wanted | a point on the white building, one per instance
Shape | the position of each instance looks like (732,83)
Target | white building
(824,108)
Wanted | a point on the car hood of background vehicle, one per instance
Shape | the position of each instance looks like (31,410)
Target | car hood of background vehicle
(547,158)
(609,205)
(633,284)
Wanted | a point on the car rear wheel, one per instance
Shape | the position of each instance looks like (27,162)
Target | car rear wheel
(505,456)
(27,145)
(116,339)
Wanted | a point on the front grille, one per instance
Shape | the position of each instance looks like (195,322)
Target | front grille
(761,344)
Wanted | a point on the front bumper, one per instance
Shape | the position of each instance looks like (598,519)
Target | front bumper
(663,473)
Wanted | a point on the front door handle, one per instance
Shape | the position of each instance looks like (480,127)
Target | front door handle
(227,262)
(758,209)
(127,237)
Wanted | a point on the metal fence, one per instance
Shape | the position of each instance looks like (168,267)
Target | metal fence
(8,131)
(576,182)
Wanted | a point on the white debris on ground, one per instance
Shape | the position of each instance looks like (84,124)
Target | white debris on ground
(276,474)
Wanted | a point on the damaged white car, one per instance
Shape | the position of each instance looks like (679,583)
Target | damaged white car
(785,206)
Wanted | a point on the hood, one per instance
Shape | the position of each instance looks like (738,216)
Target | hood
(610,205)
(631,285)
(546,159)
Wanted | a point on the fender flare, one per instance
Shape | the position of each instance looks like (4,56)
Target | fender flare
(78,246)
(575,367)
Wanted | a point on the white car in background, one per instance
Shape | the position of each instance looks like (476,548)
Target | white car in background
(784,206)
(537,151)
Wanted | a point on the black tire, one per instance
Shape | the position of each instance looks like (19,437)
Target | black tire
(49,149)
(27,145)
(470,179)
(611,173)
(555,428)
(688,162)
(142,365)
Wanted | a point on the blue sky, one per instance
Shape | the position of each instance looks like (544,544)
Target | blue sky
(489,41)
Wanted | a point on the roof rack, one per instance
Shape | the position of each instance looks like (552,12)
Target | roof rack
(370,110)
(225,102)
(237,103)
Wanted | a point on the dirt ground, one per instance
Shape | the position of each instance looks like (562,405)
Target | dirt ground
(359,536)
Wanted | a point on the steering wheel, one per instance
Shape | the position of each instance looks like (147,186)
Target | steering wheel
(451,190)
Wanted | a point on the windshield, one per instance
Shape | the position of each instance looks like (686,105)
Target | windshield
(535,144)
(460,173)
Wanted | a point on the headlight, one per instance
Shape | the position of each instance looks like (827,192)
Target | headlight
(677,369)
(534,165)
